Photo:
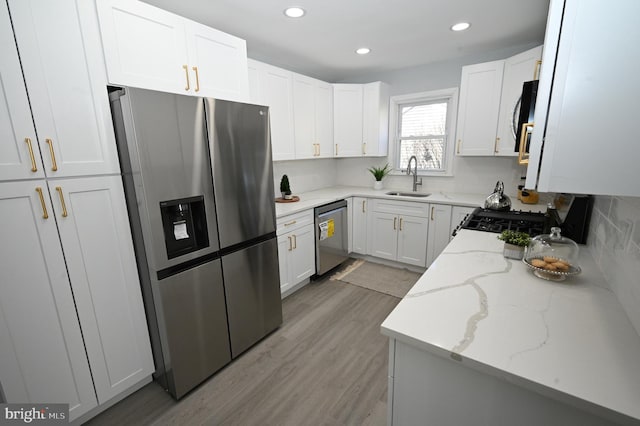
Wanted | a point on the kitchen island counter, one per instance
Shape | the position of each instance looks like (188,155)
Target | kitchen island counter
(312,199)
(567,341)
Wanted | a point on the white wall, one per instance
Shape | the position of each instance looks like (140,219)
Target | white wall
(614,241)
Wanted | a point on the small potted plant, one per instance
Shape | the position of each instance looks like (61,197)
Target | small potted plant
(514,243)
(285,189)
(379,173)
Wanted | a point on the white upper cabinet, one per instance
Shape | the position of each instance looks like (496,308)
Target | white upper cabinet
(19,154)
(480,90)
(64,74)
(148,47)
(42,355)
(312,117)
(348,119)
(273,87)
(375,119)
(361,119)
(517,69)
(591,94)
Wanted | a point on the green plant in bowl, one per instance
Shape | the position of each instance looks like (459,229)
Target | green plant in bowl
(520,239)
(380,172)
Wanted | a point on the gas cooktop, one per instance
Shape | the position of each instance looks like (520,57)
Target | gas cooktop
(497,221)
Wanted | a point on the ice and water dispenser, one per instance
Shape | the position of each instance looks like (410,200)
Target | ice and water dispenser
(185,225)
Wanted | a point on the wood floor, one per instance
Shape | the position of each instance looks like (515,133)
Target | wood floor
(326,365)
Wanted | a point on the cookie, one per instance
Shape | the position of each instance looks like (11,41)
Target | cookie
(550,259)
(550,267)
(561,266)
(538,263)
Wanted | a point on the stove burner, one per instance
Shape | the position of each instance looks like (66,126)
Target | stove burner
(498,221)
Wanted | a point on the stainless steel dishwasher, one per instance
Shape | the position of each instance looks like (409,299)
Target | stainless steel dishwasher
(332,231)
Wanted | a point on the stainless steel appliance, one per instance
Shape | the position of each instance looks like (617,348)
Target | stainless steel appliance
(488,220)
(197,175)
(332,230)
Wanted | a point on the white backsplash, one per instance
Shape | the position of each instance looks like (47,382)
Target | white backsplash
(305,175)
(614,241)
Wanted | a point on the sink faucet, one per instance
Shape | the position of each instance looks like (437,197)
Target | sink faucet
(415,173)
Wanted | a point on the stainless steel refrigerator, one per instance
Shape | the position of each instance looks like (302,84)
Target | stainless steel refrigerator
(198,180)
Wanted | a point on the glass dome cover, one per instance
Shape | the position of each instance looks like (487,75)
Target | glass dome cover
(552,256)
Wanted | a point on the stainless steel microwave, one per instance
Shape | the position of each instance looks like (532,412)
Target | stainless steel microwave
(525,120)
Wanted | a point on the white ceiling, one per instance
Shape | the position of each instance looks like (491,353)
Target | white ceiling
(400,33)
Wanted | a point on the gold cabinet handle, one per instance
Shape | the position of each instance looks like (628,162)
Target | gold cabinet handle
(34,167)
(523,140)
(536,70)
(54,165)
(432,207)
(186,74)
(45,215)
(364,148)
(458,150)
(195,69)
(295,242)
(293,222)
(401,224)
(290,246)
(64,206)
(336,150)
(363,206)
(394,223)
(495,145)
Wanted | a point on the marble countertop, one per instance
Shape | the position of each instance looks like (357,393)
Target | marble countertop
(569,340)
(309,200)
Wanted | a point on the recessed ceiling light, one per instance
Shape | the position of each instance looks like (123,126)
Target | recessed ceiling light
(294,12)
(363,51)
(461,26)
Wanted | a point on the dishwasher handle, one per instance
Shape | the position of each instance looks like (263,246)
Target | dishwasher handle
(331,212)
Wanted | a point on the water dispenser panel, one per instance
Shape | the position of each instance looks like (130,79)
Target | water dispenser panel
(185,226)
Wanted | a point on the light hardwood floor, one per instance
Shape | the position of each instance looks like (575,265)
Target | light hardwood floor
(326,365)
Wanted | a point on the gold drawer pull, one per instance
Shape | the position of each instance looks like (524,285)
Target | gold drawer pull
(293,222)
(290,246)
(64,206)
(54,165)
(34,167)
(363,201)
(394,223)
(45,215)
(186,74)
(458,150)
(195,69)
(336,150)
(432,207)
(295,242)
(401,224)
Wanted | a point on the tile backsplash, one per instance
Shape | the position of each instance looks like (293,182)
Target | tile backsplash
(614,241)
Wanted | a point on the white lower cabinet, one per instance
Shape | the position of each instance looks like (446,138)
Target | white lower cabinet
(42,354)
(48,298)
(398,231)
(359,209)
(94,229)
(296,249)
(439,230)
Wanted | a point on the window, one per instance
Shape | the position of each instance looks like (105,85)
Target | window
(422,125)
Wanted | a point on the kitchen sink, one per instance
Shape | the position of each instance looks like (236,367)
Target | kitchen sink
(408,194)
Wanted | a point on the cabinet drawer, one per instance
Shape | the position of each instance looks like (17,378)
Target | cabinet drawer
(400,207)
(294,221)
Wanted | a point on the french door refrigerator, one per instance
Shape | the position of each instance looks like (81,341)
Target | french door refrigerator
(198,180)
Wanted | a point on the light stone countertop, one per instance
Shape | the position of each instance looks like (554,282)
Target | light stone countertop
(309,200)
(570,341)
